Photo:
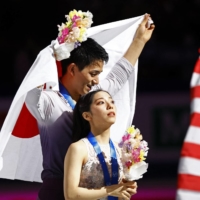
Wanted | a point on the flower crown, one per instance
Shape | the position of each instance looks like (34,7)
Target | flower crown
(75,29)
(72,33)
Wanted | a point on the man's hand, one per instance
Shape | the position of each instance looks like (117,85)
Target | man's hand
(144,33)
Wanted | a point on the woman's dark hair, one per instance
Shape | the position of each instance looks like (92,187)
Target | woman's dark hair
(81,127)
(88,52)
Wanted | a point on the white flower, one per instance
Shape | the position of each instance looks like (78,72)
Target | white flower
(76,32)
(145,153)
(132,141)
(60,28)
(84,37)
(88,14)
(124,148)
(144,145)
(68,18)
(137,131)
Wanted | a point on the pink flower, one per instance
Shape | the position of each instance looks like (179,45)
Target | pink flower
(126,137)
(136,155)
(74,25)
(65,32)
(75,17)
(128,164)
(61,39)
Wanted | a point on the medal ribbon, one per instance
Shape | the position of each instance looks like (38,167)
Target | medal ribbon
(114,179)
(66,95)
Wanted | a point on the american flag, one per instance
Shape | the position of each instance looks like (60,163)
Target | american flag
(189,164)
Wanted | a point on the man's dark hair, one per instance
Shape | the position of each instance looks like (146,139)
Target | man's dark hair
(88,52)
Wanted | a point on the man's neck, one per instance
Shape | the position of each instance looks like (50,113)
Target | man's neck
(69,88)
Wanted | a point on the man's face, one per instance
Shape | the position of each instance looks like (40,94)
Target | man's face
(88,77)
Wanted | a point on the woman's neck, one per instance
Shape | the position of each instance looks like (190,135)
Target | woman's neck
(102,136)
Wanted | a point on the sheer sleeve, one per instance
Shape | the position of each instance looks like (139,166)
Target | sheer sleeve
(117,77)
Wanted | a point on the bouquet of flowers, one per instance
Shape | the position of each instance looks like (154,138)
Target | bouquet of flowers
(134,150)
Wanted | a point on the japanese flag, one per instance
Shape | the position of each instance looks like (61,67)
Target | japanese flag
(20,148)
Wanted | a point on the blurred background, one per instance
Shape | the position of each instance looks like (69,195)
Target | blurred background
(163,88)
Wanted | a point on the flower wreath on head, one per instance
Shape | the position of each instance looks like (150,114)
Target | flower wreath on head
(72,33)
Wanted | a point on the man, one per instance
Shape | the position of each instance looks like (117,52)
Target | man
(53,110)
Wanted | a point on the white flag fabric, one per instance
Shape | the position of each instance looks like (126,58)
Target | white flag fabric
(20,149)
(189,164)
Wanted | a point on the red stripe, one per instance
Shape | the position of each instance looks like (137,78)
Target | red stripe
(197,66)
(26,125)
(59,68)
(195,119)
(189,182)
(195,92)
(191,150)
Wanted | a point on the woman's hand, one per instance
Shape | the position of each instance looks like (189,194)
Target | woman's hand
(123,190)
(144,33)
(133,188)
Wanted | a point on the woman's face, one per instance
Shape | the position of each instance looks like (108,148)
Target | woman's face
(102,110)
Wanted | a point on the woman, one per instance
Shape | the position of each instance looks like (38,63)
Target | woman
(88,164)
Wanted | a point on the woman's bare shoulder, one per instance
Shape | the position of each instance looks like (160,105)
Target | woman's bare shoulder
(78,147)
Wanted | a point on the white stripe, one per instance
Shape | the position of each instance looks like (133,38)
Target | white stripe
(193,135)
(22,159)
(195,80)
(1,163)
(30,162)
(195,105)
(187,195)
(10,158)
(189,166)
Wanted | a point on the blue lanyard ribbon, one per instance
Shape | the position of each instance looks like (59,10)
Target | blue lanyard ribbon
(115,167)
(66,95)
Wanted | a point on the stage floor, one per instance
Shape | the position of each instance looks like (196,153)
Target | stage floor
(160,189)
